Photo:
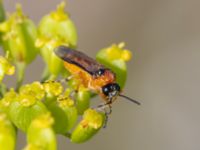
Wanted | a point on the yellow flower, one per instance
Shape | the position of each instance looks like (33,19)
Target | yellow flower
(5,68)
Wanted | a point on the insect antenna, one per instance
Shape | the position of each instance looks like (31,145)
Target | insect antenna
(130,99)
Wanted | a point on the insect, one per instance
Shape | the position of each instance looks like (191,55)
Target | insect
(92,74)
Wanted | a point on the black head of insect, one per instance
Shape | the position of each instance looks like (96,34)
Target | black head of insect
(112,90)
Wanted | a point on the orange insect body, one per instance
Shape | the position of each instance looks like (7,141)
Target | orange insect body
(89,81)
(92,75)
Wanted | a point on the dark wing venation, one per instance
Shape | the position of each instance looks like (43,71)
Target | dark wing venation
(78,58)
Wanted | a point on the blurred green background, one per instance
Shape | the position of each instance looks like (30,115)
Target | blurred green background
(164,73)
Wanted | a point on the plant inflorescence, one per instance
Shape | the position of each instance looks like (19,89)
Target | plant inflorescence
(45,108)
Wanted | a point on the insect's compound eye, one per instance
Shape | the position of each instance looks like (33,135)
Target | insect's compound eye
(112,88)
(106,89)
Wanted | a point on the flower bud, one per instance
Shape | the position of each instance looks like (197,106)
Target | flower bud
(8,98)
(115,57)
(7,133)
(82,99)
(52,88)
(91,123)
(40,133)
(55,29)
(19,35)
(24,109)
(63,108)
(35,89)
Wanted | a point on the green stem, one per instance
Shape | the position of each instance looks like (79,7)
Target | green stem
(67,135)
(2,17)
(20,74)
(2,12)
(46,74)
(3,89)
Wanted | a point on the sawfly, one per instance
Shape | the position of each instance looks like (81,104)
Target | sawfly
(93,75)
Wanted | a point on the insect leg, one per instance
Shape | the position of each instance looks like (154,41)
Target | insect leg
(104,107)
(64,80)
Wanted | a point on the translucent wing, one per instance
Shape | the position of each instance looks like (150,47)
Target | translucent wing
(78,58)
